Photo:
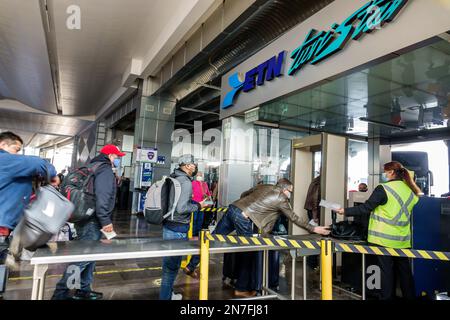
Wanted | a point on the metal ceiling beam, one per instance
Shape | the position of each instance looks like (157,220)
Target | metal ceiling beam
(50,38)
(31,139)
(200,111)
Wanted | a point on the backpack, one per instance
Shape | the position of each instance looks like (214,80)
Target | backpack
(78,187)
(158,204)
(347,230)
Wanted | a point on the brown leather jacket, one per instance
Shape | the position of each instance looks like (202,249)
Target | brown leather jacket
(263,204)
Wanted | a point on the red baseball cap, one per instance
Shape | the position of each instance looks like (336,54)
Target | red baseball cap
(111,149)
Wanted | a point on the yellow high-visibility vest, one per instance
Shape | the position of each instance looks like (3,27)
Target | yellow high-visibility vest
(390,224)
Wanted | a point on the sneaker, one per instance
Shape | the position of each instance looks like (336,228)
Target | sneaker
(87,295)
(194,274)
(177,296)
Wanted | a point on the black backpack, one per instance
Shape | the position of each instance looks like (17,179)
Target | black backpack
(78,187)
(347,230)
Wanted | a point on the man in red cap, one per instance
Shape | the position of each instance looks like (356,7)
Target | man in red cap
(80,275)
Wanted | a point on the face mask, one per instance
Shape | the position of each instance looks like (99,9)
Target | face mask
(199,178)
(384,177)
(116,163)
(289,195)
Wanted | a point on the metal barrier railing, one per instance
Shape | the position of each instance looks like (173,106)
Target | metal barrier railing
(327,246)
(187,259)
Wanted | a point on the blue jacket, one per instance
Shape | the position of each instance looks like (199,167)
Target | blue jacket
(16,173)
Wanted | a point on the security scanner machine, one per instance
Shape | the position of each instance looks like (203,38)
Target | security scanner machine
(332,166)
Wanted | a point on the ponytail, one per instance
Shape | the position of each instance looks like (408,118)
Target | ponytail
(403,173)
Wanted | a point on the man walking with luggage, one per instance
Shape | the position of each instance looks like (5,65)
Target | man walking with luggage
(80,275)
(176,228)
(16,174)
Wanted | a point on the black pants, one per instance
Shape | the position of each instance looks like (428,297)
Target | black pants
(393,268)
(4,245)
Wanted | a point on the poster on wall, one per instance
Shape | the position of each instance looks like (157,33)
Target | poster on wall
(147,155)
(126,160)
(142,197)
(127,144)
(146,176)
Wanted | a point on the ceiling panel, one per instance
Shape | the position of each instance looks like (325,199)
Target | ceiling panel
(41,123)
(93,59)
(33,140)
(25,73)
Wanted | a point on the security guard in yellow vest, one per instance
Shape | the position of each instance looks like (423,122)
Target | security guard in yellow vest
(390,207)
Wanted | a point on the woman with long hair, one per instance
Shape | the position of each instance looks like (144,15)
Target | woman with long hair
(390,207)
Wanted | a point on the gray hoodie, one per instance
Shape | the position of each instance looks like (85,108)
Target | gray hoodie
(185,204)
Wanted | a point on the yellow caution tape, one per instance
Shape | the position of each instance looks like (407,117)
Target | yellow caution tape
(264,241)
(339,246)
(383,251)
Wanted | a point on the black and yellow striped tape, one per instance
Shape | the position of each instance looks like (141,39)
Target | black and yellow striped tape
(382,251)
(224,209)
(259,241)
(339,246)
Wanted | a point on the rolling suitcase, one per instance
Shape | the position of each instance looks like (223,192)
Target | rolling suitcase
(43,218)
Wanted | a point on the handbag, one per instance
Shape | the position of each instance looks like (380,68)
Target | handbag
(205,195)
(347,230)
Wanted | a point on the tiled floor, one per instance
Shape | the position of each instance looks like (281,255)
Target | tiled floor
(140,279)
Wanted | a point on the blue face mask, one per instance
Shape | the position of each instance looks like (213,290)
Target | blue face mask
(384,177)
(116,163)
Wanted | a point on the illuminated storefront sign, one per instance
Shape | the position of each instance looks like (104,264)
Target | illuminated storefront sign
(266,71)
(317,46)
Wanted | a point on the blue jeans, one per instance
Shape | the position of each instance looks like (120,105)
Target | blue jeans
(232,220)
(87,231)
(197,223)
(246,262)
(170,265)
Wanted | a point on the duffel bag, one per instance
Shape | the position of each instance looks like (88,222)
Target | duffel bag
(43,218)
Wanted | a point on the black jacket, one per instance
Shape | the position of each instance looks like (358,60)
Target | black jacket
(105,190)
(362,212)
(313,198)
